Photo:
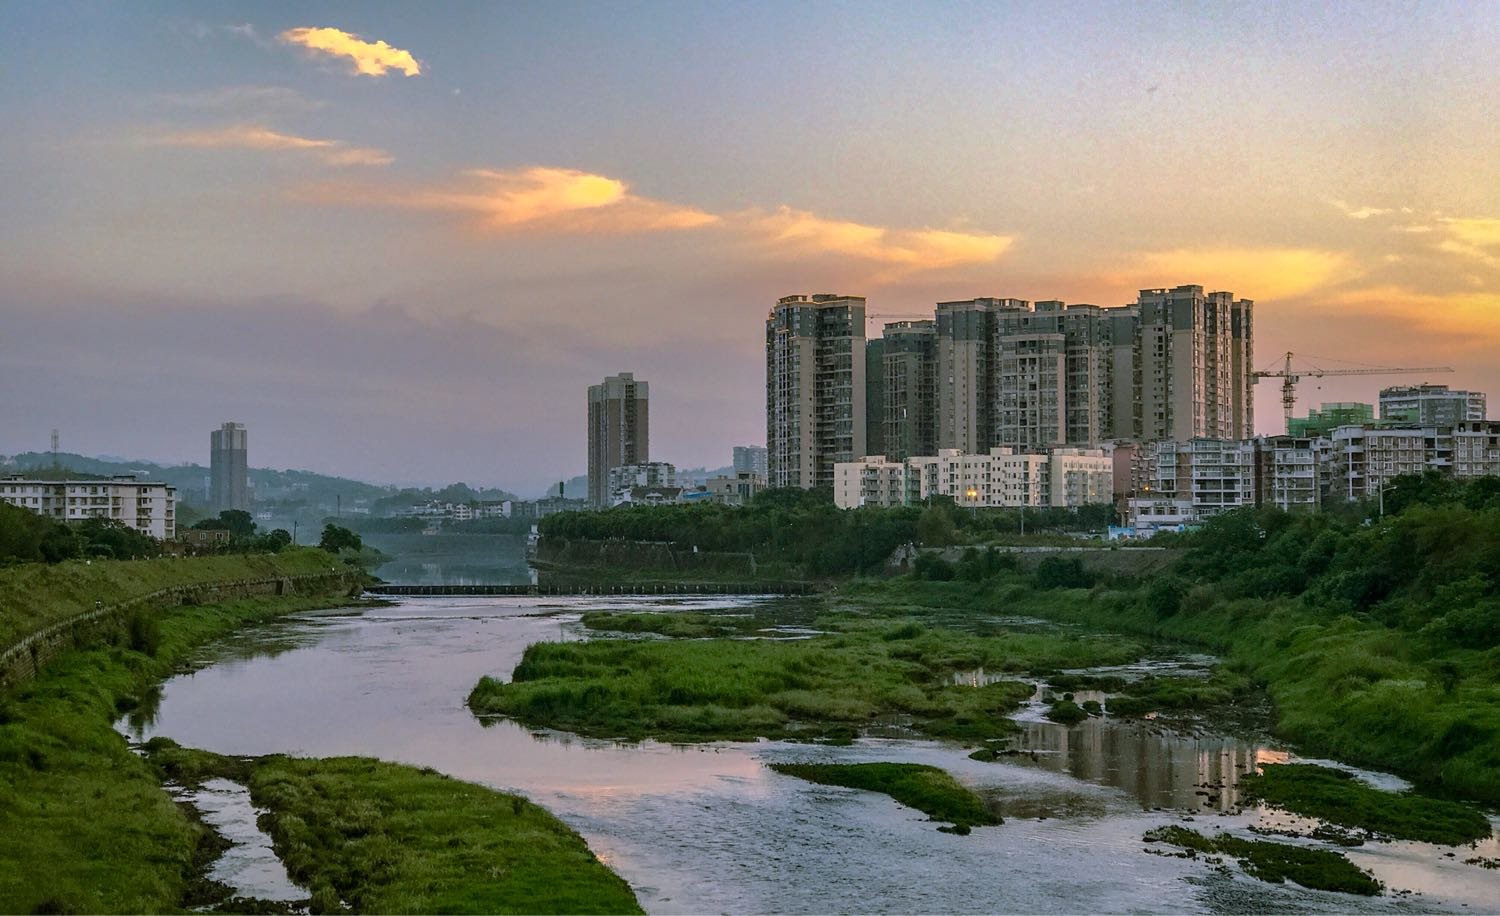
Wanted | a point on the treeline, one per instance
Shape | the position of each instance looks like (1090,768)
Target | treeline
(805,528)
(26,537)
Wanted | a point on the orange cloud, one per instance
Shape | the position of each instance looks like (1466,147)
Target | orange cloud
(256,137)
(537,199)
(568,201)
(1255,273)
(1478,239)
(919,249)
(1470,318)
(369,58)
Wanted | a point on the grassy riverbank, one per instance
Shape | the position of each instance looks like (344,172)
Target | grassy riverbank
(928,789)
(859,670)
(387,838)
(34,595)
(87,827)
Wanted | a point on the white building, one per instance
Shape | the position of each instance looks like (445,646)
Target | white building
(626,477)
(1059,478)
(150,508)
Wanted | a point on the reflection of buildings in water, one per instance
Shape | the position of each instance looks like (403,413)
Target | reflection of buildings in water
(1159,767)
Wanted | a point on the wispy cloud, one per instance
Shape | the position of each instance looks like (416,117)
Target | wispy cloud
(1261,273)
(1474,238)
(543,200)
(791,230)
(1360,212)
(257,137)
(240,98)
(369,58)
(535,200)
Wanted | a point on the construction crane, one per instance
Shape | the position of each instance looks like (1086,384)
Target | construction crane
(1290,377)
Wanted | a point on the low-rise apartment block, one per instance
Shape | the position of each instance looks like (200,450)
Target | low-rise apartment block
(1001,477)
(150,508)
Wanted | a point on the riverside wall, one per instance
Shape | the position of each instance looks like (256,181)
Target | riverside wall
(22,660)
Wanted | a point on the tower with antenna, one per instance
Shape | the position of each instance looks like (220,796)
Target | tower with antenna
(56,461)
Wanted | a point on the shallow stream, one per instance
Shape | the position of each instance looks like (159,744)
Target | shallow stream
(711,829)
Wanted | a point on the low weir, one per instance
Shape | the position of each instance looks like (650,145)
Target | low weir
(651,588)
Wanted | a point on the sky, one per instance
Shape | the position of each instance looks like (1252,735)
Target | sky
(399,241)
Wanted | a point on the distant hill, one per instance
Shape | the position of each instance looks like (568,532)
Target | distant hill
(296,492)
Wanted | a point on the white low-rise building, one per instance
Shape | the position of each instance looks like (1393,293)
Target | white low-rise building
(1000,478)
(150,508)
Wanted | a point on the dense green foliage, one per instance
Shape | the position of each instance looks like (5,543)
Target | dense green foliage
(336,539)
(930,790)
(86,825)
(26,537)
(1319,869)
(1378,639)
(804,528)
(387,838)
(1337,797)
(826,686)
(35,595)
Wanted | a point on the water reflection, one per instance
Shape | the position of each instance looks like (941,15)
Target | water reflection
(710,828)
(1159,766)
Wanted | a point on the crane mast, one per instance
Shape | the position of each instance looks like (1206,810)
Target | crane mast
(1290,377)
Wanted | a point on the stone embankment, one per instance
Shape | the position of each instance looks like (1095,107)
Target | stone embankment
(22,660)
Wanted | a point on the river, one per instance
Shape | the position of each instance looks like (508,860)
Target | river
(711,829)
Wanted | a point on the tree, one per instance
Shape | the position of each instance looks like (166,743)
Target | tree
(237,522)
(935,527)
(336,539)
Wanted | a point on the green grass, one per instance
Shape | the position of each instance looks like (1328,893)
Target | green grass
(1318,869)
(388,838)
(830,685)
(1337,797)
(86,825)
(1342,687)
(34,595)
(677,626)
(928,789)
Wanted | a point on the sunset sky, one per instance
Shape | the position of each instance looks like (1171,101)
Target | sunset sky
(398,241)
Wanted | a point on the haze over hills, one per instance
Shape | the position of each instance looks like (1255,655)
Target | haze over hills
(285,488)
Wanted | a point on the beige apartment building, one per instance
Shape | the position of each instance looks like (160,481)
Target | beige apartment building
(966,372)
(815,388)
(619,430)
(150,508)
(1194,365)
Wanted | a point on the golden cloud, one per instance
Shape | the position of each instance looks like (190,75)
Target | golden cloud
(1471,318)
(256,137)
(1255,273)
(544,200)
(920,249)
(538,199)
(1472,238)
(369,58)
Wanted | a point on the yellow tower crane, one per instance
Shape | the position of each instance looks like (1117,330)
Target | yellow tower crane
(1290,377)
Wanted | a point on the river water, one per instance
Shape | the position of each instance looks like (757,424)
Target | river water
(711,829)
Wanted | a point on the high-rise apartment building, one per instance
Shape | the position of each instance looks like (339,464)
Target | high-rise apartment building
(966,372)
(619,430)
(815,387)
(875,396)
(1052,381)
(1430,405)
(1194,358)
(909,377)
(750,459)
(229,468)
